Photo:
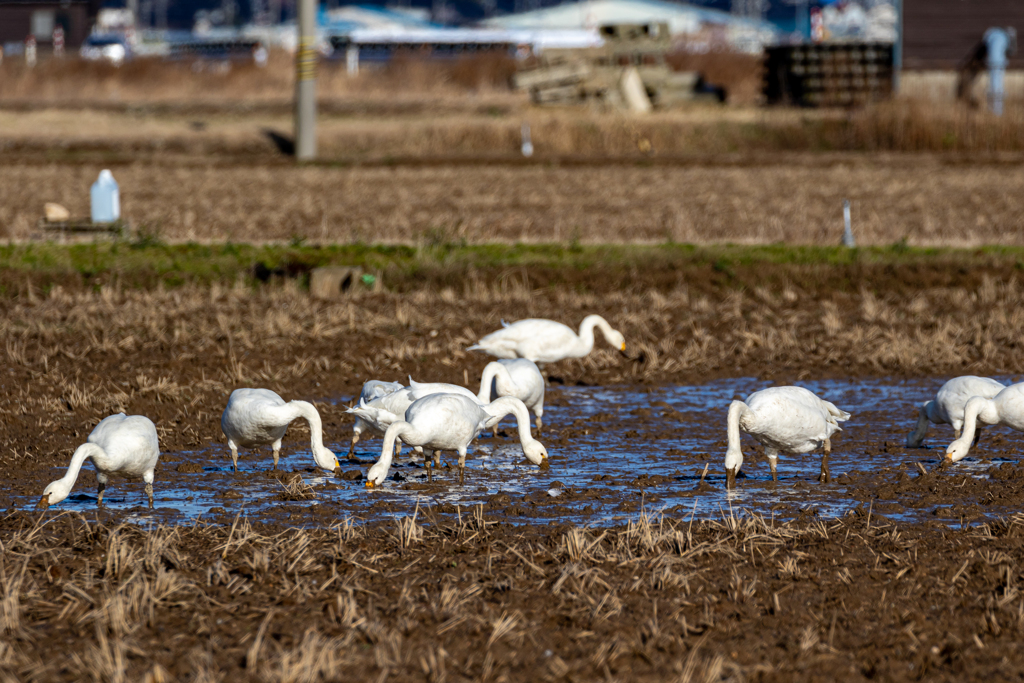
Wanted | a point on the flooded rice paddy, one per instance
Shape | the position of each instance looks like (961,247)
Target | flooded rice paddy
(614,452)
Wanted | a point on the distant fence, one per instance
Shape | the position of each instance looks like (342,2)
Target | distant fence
(828,74)
(383,49)
(232,48)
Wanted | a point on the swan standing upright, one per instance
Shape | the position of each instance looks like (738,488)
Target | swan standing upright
(519,377)
(257,417)
(372,389)
(121,445)
(787,419)
(444,422)
(547,341)
(1005,408)
(948,405)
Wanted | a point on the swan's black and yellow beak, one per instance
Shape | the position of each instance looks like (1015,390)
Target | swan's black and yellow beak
(44,502)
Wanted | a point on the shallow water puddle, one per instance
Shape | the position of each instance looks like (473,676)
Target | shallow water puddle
(614,452)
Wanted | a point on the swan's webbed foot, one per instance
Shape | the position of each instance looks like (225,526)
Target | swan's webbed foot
(462,474)
(352,448)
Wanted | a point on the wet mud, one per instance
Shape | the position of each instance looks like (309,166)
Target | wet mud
(624,558)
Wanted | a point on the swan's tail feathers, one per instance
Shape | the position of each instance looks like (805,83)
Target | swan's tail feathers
(839,415)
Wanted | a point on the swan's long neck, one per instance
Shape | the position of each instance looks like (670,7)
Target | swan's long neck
(974,407)
(509,405)
(495,371)
(86,450)
(397,430)
(486,380)
(316,427)
(587,332)
(733,453)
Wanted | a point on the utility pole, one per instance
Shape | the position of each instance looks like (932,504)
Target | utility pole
(305,83)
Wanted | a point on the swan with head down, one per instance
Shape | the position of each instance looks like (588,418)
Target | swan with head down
(258,417)
(450,422)
(1005,408)
(120,445)
(782,419)
(948,406)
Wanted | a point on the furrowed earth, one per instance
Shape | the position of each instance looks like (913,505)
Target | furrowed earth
(624,558)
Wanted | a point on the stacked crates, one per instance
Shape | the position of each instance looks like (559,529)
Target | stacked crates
(828,74)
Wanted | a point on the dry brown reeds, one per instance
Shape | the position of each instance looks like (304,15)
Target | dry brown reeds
(74,81)
(659,598)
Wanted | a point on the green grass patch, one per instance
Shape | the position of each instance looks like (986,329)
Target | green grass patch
(150,263)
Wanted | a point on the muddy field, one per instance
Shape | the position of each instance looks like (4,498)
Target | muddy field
(623,559)
(919,199)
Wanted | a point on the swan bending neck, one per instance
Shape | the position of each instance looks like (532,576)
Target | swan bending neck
(509,405)
(86,450)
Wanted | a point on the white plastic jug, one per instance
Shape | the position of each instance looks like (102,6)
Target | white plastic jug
(106,199)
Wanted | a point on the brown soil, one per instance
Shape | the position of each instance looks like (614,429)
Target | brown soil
(922,199)
(477,599)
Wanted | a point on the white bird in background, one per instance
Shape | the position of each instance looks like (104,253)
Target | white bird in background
(518,377)
(547,341)
(443,422)
(1005,408)
(372,389)
(948,405)
(121,445)
(257,417)
(787,419)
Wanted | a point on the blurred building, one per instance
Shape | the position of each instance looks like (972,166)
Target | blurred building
(941,36)
(699,24)
(22,18)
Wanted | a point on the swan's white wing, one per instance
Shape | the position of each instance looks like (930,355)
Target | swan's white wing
(791,419)
(954,395)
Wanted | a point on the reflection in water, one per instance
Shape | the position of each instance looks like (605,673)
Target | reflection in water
(613,452)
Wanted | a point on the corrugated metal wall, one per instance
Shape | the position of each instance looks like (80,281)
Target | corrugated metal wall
(938,34)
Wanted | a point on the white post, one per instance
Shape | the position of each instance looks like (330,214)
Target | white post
(352,59)
(848,240)
(305,83)
(527,146)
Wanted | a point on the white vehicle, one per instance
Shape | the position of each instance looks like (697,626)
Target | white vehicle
(108,48)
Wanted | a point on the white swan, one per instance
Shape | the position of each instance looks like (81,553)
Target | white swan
(443,422)
(519,377)
(546,341)
(121,445)
(372,389)
(381,412)
(257,417)
(1005,408)
(948,405)
(787,419)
